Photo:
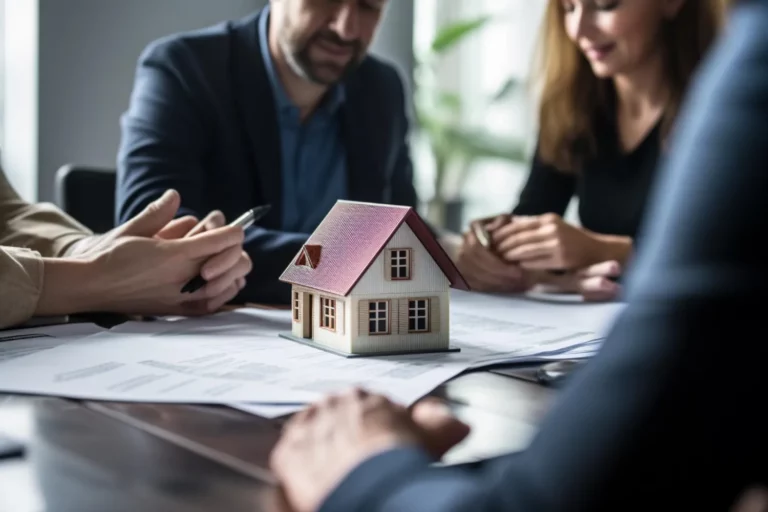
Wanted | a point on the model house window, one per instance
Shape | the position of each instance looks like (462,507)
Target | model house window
(378,317)
(296,308)
(418,315)
(400,263)
(328,313)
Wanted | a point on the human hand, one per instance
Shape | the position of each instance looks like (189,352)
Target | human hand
(595,283)
(224,267)
(546,242)
(224,271)
(142,265)
(482,268)
(325,442)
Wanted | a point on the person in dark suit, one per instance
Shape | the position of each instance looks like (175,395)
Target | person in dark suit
(283,107)
(668,416)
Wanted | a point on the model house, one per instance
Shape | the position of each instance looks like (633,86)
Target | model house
(372,279)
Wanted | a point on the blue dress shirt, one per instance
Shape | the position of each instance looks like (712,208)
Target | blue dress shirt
(313,155)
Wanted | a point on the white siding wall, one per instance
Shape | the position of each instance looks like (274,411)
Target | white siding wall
(400,341)
(427,281)
(426,276)
(339,340)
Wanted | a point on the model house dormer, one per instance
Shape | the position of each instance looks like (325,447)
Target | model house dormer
(372,279)
(309,256)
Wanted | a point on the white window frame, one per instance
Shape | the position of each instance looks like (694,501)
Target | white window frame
(418,309)
(328,313)
(296,306)
(379,314)
(399,259)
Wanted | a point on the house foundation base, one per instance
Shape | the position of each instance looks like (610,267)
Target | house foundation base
(313,344)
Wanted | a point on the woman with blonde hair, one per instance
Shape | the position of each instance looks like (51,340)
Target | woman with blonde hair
(613,74)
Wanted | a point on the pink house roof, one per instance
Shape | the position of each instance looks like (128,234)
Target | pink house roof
(351,237)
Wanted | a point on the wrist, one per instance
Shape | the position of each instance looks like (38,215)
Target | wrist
(82,247)
(612,248)
(68,287)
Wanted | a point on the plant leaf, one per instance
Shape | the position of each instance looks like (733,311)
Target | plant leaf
(479,143)
(451,34)
(509,86)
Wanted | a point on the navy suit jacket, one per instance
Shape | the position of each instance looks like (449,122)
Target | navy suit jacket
(202,120)
(670,414)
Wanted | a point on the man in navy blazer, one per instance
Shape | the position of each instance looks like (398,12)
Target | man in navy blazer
(283,107)
(670,414)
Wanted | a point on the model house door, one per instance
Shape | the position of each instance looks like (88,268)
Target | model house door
(306,321)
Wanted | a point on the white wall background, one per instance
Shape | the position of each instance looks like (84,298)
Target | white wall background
(476,69)
(69,67)
(81,55)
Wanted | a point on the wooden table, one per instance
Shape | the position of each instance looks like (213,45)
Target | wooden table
(98,456)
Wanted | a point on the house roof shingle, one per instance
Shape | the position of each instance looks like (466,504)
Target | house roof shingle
(351,237)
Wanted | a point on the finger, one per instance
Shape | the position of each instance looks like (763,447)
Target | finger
(213,220)
(525,238)
(441,430)
(241,283)
(303,415)
(486,269)
(154,217)
(502,273)
(492,264)
(221,263)
(534,251)
(548,262)
(279,501)
(481,277)
(568,282)
(206,306)
(211,242)
(356,393)
(329,401)
(598,289)
(217,303)
(606,269)
(177,228)
(516,225)
(497,222)
(217,286)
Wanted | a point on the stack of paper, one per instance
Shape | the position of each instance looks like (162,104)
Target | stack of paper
(237,357)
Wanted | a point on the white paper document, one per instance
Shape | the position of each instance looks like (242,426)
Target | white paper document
(595,317)
(237,358)
(123,367)
(23,342)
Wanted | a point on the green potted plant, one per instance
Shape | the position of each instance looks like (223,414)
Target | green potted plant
(455,146)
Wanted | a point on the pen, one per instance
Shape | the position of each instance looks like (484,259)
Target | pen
(244,221)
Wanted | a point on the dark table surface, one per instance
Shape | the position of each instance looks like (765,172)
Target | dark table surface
(110,457)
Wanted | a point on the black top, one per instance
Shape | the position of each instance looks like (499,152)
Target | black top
(612,188)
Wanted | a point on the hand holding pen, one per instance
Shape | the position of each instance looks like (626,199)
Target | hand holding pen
(218,265)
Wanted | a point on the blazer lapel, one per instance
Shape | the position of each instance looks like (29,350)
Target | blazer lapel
(255,106)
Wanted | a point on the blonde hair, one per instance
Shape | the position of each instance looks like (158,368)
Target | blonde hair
(573,99)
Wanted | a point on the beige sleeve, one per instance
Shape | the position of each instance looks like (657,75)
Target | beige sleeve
(21,282)
(41,227)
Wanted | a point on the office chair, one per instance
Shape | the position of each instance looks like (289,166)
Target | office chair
(87,194)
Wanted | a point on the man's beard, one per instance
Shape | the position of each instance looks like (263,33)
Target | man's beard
(301,62)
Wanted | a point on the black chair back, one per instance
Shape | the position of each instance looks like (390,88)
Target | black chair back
(87,194)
